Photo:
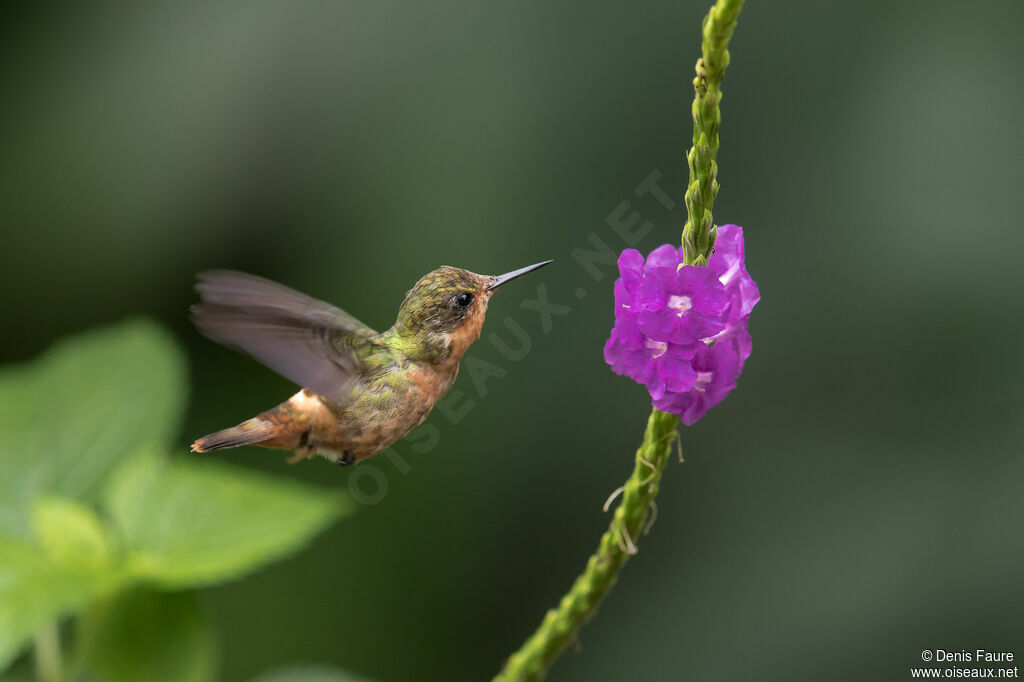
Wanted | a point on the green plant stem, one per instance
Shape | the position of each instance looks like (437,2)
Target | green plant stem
(699,232)
(561,624)
(49,666)
(577,607)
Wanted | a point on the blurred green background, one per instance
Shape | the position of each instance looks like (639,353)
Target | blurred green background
(857,500)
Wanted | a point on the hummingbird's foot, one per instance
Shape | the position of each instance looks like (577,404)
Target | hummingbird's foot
(345,459)
(304,451)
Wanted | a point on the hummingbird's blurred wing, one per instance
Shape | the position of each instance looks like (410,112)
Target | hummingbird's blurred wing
(301,338)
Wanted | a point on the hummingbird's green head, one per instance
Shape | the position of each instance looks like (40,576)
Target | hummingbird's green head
(444,311)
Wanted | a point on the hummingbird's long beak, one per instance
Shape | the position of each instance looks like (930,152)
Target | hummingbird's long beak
(498,280)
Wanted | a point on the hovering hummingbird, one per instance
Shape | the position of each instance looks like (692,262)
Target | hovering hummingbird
(362,390)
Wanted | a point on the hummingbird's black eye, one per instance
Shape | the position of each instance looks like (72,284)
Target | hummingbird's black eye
(463,300)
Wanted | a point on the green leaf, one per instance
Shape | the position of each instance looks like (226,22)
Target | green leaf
(310,673)
(70,562)
(191,523)
(34,589)
(71,535)
(68,417)
(148,636)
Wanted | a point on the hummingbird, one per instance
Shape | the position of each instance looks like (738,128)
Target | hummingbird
(361,390)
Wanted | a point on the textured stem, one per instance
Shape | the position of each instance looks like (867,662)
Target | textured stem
(561,624)
(699,231)
(577,607)
(49,667)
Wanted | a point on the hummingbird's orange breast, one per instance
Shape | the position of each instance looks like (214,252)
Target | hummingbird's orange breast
(388,409)
(395,399)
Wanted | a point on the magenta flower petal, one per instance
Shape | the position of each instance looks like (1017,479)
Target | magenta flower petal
(624,307)
(727,262)
(620,352)
(631,267)
(681,330)
(681,304)
(659,365)
(717,367)
(663,260)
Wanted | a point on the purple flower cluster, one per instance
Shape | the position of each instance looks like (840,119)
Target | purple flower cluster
(681,330)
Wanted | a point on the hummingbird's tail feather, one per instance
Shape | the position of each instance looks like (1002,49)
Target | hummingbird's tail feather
(249,432)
